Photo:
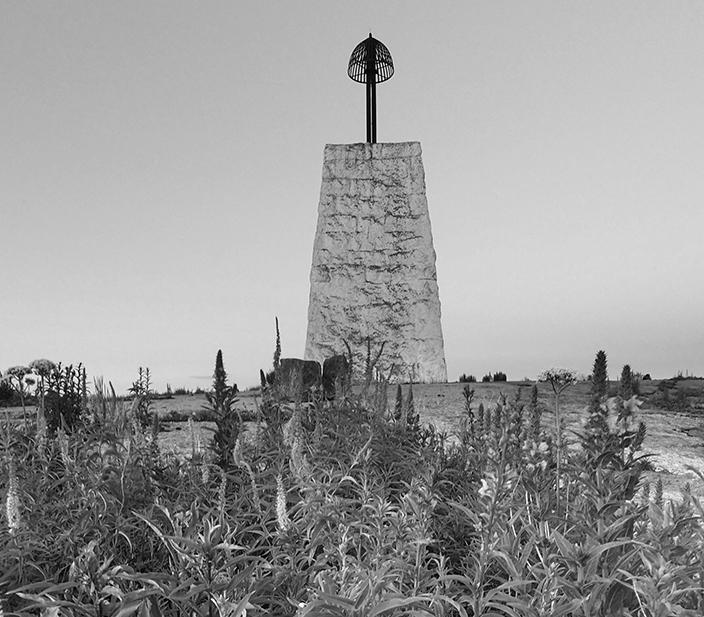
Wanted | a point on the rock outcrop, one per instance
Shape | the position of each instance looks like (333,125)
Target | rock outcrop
(373,274)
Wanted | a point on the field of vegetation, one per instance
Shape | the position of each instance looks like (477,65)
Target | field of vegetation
(517,499)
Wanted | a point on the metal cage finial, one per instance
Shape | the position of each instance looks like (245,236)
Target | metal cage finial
(370,64)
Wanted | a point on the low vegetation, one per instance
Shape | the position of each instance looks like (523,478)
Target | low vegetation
(341,508)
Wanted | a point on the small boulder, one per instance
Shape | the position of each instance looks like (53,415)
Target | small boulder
(296,378)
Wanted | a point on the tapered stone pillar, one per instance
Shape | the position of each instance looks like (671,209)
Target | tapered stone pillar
(373,274)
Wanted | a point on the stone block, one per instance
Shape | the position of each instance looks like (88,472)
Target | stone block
(373,274)
(295,379)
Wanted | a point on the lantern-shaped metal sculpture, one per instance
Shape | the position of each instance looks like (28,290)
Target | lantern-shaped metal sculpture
(371,64)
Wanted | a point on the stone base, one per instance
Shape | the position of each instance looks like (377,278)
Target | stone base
(373,274)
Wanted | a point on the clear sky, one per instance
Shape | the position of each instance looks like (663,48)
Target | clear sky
(160,171)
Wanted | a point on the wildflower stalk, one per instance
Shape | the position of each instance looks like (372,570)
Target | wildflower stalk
(12,501)
(282,519)
(559,380)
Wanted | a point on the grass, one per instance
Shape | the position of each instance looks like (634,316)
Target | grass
(338,509)
(675,439)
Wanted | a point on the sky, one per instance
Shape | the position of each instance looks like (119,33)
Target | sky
(161,162)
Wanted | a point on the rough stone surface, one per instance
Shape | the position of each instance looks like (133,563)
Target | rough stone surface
(295,378)
(373,272)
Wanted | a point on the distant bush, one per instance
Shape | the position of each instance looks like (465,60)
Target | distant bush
(498,376)
(8,396)
(671,398)
(684,376)
(467,378)
(646,377)
(182,392)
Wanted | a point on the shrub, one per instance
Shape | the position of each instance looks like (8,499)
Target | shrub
(335,508)
(600,378)
(8,396)
(486,378)
(228,424)
(625,389)
(65,399)
(464,378)
(143,396)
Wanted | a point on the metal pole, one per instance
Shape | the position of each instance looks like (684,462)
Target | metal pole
(371,91)
(369,112)
(374,111)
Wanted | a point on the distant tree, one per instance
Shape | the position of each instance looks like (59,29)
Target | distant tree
(464,378)
(486,378)
(7,394)
(600,378)
(15,376)
(499,376)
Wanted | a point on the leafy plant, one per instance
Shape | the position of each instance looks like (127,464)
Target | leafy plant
(228,424)
(65,399)
(143,395)
(333,508)
(559,379)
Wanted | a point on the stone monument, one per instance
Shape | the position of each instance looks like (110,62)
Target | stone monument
(373,278)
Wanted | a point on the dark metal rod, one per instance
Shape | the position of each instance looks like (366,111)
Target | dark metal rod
(369,112)
(373,112)
(371,91)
